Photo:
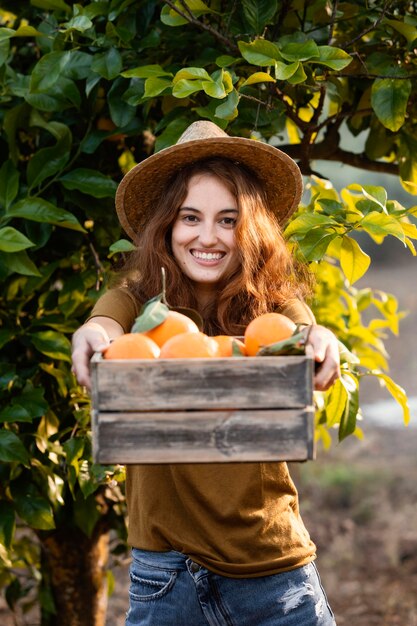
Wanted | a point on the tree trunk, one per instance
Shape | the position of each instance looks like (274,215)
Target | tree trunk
(75,567)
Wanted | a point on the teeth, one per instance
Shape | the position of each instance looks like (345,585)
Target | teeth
(208,256)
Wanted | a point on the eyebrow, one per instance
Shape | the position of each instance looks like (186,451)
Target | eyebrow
(188,208)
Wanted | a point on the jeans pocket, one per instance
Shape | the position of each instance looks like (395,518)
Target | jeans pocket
(148,583)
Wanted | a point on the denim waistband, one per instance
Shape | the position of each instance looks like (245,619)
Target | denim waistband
(164,560)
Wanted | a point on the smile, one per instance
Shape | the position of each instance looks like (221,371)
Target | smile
(207,256)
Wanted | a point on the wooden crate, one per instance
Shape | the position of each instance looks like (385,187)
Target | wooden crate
(202,410)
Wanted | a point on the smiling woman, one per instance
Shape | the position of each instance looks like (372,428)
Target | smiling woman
(219,543)
(203,235)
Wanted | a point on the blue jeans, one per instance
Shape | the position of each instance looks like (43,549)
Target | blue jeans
(169,589)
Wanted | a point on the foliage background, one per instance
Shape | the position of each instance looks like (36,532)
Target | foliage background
(91,88)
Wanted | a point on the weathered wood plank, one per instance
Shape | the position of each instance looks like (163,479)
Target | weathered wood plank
(204,436)
(181,384)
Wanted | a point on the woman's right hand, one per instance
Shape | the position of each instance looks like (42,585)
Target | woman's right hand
(94,336)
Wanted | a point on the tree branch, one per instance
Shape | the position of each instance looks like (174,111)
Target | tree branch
(192,20)
(320,151)
(370,28)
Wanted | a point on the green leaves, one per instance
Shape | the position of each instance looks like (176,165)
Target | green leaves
(259,13)
(11,240)
(12,449)
(152,313)
(389,101)
(39,210)
(53,344)
(90,182)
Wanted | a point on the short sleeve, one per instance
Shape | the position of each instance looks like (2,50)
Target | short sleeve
(119,305)
(298,312)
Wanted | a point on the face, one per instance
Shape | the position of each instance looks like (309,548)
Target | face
(203,235)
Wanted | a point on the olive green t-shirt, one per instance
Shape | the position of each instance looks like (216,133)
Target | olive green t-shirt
(235,519)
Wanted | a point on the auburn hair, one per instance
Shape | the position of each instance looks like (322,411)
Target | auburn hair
(267,277)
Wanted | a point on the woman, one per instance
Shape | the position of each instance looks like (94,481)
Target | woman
(217,544)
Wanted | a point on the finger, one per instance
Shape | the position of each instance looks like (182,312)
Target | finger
(328,372)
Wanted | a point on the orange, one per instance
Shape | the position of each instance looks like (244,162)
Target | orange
(266,329)
(174,324)
(188,346)
(132,346)
(225,343)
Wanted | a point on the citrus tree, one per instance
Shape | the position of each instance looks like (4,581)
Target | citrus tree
(88,89)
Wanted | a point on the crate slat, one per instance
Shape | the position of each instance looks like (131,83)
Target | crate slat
(204,436)
(180,384)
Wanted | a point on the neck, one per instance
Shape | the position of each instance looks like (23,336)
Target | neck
(206,295)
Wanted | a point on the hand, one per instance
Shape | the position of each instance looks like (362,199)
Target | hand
(86,340)
(323,346)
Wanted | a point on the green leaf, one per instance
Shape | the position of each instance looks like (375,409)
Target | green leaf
(47,70)
(86,513)
(79,22)
(108,64)
(353,259)
(259,13)
(18,262)
(122,245)
(40,210)
(228,110)
(120,111)
(292,346)
(332,57)
(300,51)
(376,194)
(146,71)
(51,5)
(336,405)
(224,60)
(11,240)
(214,89)
(260,52)
(12,449)
(258,77)
(381,224)
(299,76)
(4,51)
(90,182)
(48,161)
(171,134)
(347,424)
(184,88)
(52,344)
(7,523)
(169,17)
(15,413)
(35,511)
(74,449)
(407,30)
(152,314)
(284,71)
(389,99)
(191,73)
(9,183)
(315,243)
(154,86)
(306,221)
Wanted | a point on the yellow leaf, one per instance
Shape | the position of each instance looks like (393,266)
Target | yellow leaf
(258,77)
(293,132)
(353,259)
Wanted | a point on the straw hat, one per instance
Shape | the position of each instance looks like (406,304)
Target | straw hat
(140,189)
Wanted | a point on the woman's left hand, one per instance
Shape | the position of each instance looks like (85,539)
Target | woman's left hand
(324,348)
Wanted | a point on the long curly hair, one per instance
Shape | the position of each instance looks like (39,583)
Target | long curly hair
(268,274)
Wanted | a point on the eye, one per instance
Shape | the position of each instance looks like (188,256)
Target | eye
(229,221)
(190,219)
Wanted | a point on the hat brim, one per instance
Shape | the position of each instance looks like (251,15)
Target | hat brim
(141,187)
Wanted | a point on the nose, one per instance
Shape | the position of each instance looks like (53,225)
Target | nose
(207,234)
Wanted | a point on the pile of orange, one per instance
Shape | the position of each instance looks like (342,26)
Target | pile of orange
(179,337)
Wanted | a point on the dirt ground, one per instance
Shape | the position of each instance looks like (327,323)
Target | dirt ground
(359,501)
